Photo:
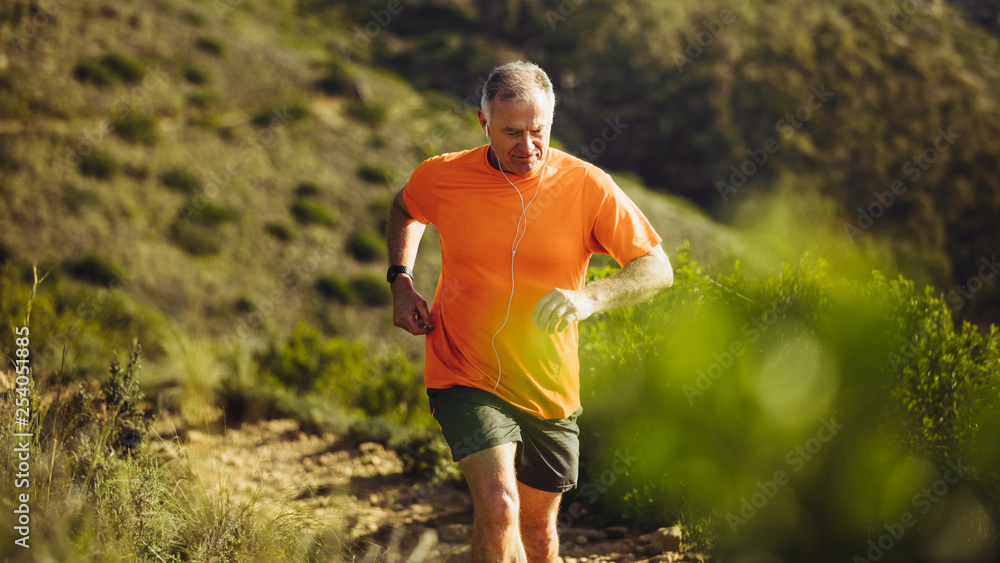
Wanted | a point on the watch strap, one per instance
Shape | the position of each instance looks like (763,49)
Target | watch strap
(394,271)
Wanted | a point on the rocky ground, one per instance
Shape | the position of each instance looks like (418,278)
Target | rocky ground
(361,488)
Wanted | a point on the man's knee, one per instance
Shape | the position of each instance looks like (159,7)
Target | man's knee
(497,507)
(540,539)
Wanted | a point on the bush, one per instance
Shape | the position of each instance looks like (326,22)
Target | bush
(109,68)
(93,72)
(337,81)
(307,362)
(135,129)
(366,245)
(291,112)
(705,392)
(210,45)
(307,189)
(180,180)
(313,212)
(280,231)
(368,112)
(95,269)
(209,215)
(100,165)
(195,239)
(376,173)
(336,288)
(123,68)
(372,290)
(196,75)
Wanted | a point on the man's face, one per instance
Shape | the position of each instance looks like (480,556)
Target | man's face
(519,132)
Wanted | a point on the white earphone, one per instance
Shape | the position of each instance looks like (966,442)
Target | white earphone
(518,237)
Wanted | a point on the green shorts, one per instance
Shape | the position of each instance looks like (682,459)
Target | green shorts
(472,420)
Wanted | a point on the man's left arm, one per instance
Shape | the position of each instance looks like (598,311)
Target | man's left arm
(639,280)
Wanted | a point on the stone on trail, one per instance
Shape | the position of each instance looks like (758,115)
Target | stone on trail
(616,532)
(667,539)
(455,533)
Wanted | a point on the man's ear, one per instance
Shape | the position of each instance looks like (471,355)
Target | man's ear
(482,121)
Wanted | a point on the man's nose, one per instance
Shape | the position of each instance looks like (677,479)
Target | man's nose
(524,144)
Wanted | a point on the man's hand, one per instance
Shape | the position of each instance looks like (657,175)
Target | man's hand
(560,307)
(409,310)
(639,280)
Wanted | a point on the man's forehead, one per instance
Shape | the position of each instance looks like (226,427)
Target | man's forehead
(518,114)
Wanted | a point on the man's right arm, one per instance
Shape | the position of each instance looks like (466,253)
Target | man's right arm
(409,310)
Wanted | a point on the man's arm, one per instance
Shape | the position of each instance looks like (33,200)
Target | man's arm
(639,280)
(409,310)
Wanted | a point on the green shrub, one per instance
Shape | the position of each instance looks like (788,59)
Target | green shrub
(281,231)
(337,81)
(122,67)
(335,288)
(291,112)
(376,173)
(92,72)
(308,362)
(313,212)
(180,180)
(307,189)
(194,239)
(706,391)
(136,129)
(368,112)
(210,45)
(95,269)
(210,214)
(205,99)
(196,75)
(366,245)
(372,290)
(100,165)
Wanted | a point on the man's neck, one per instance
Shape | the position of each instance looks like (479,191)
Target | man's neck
(492,158)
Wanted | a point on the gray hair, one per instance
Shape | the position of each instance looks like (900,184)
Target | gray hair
(518,80)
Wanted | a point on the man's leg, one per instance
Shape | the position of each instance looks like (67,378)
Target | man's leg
(494,487)
(539,511)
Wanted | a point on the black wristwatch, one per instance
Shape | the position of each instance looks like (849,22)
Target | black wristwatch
(395,271)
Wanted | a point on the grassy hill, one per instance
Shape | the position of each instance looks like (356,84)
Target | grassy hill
(218,172)
(211,178)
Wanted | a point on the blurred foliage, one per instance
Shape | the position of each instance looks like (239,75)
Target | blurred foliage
(366,245)
(681,92)
(367,383)
(794,414)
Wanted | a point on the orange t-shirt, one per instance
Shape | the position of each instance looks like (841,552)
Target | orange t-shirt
(578,211)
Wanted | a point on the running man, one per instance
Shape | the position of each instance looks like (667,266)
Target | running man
(518,222)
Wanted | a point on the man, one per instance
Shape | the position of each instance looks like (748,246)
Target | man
(518,223)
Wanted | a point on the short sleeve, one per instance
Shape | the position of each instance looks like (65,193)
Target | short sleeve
(418,195)
(619,229)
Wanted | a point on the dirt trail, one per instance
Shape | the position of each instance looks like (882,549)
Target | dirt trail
(362,489)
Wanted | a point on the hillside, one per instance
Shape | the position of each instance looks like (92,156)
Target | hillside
(220,164)
(203,186)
